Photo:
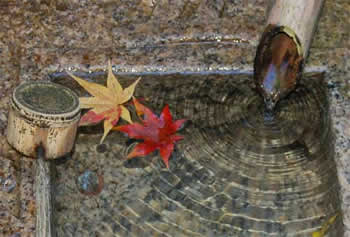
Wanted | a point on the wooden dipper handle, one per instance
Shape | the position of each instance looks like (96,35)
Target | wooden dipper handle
(284,46)
(44,224)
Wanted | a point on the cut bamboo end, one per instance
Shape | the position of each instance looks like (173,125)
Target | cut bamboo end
(284,47)
(278,63)
(43,113)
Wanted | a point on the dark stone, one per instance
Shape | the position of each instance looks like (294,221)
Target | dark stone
(125,223)
(152,195)
(176,195)
(220,200)
(204,176)
(101,148)
(136,162)
(169,177)
(163,186)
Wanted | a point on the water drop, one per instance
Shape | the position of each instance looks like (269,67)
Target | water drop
(269,105)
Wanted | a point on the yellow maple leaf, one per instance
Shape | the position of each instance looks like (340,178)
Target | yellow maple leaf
(106,103)
(325,227)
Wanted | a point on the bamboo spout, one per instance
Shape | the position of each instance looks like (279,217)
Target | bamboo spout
(299,15)
(284,46)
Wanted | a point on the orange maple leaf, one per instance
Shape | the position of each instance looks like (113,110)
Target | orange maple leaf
(106,103)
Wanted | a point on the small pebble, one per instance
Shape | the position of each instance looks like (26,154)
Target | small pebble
(90,183)
(9,184)
(101,148)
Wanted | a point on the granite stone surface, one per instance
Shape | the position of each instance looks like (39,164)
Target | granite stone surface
(41,37)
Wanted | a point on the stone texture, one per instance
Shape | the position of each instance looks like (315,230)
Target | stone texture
(45,36)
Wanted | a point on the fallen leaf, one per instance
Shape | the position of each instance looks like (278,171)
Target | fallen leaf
(157,133)
(325,227)
(106,103)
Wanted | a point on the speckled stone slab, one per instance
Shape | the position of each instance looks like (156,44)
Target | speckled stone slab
(41,37)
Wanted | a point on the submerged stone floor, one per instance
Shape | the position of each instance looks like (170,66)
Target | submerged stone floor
(233,174)
(38,38)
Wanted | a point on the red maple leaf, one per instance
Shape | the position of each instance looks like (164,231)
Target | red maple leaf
(157,133)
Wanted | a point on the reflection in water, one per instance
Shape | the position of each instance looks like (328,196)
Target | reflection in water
(241,170)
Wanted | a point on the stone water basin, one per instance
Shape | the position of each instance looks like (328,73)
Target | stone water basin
(41,37)
(238,172)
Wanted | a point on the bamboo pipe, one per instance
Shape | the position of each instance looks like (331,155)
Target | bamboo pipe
(284,47)
(300,16)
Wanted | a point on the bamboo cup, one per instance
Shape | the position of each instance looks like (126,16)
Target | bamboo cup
(43,113)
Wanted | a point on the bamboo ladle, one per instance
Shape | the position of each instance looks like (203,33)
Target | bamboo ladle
(42,123)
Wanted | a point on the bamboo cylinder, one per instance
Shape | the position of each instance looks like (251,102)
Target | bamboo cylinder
(299,15)
(44,114)
(283,47)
